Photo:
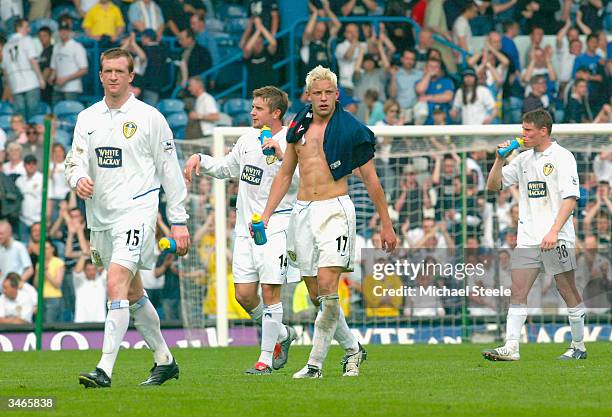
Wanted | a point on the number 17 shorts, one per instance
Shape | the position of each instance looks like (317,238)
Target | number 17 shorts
(322,234)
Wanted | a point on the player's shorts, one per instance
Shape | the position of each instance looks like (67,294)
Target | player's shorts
(264,263)
(322,234)
(561,259)
(130,246)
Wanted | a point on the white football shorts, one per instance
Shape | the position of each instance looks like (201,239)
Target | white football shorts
(264,263)
(131,246)
(322,234)
(556,261)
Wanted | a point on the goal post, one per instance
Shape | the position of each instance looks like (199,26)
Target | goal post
(400,143)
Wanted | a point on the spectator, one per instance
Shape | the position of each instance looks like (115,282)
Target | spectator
(205,110)
(2,146)
(373,108)
(536,37)
(435,18)
(44,60)
(475,101)
(594,63)
(9,11)
(34,243)
(429,236)
(34,145)
(30,186)
(399,33)
(483,23)
(418,12)
(178,12)
(582,73)
(591,12)
(259,58)
(422,48)
(18,130)
(539,13)
(347,53)
(16,305)
(602,166)
(20,64)
(442,178)
(58,186)
(435,88)
(425,305)
(14,164)
(578,109)
(195,59)
(540,64)
(266,11)
(403,81)
(537,98)
(462,33)
(13,254)
(146,14)
(492,70)
(318,39)
(52,291)
(68,64)
(156,73)
(89,291)
(83,6)
(104,22)
(408,203)
(204,37)
(368,75)
(567,47)
(503,11)
(128,43)
(348,102)
(508,47)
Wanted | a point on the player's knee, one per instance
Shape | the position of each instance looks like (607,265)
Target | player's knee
(270,293)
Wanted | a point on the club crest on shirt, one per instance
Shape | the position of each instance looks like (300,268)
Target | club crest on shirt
(548,168)
(270,159)
(129,128)
(291,255)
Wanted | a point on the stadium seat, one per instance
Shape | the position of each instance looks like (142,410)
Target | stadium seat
(35,25)
(234,106)
(63,137)
(59,11)
(39,119)
(178,122)
(236,25)
(6,108)
(65,107)
(43,108)
(230,11)
(242,119)
(171,106)
(225,40)
(68,122)
(5,122)
(214,26)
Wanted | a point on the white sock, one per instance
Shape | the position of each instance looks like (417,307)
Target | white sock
(324,329)
(517,314)
(257,313)
(575,316)
(270,328)
(117,322)
(146,321)
(344,336)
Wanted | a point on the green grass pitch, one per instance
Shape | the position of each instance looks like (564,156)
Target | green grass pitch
(417,380)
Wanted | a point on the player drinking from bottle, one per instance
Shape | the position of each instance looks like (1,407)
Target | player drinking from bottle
(547,178)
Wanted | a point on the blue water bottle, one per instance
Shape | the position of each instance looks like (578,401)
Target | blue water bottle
(167,245)
(515,144)
(264,134)
(259,230)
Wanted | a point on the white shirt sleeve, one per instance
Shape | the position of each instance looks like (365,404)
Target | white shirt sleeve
(2,311)
(458,100)
(341,50)
(487,99)
(168,169)
(24,259)
(78,278)
(568,177)
(77,161)
(510,173)
(30,49)
(226,167)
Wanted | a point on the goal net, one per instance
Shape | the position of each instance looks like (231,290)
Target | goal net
(434,180)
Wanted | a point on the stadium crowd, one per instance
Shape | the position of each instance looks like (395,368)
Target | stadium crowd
(389,74)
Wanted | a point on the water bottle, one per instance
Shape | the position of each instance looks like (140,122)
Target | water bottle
(515,144)
(264,134)
(259,230)
(167,245)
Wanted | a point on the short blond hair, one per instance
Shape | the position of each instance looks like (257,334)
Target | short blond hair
(319,73)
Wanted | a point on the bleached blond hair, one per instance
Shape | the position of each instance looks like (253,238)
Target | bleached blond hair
(319,73)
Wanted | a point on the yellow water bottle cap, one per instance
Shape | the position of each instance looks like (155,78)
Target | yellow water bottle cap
(265,127)
(521,141)
(164,243)
(256,218)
